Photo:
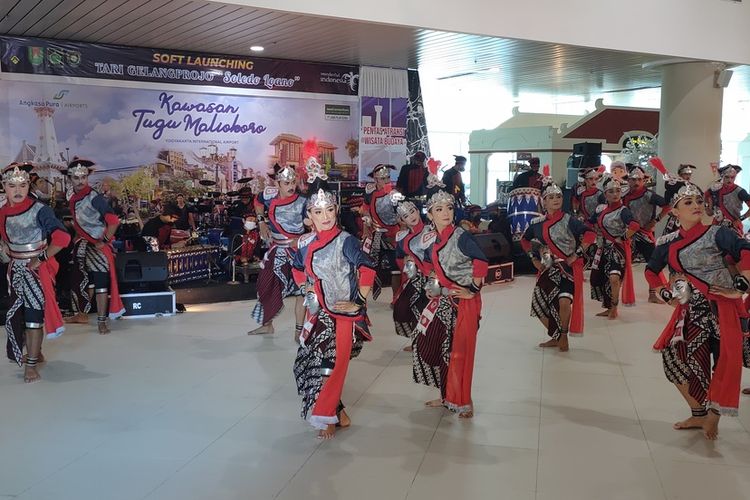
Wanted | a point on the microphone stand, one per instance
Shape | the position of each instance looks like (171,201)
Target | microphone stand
(232,252)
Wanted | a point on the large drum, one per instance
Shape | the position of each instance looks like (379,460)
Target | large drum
(524,204)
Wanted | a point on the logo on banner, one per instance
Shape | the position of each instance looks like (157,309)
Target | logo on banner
(74,58)
(60,94)
(54,57)
(36,55)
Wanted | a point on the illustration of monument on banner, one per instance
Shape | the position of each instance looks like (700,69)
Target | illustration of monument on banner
(47,157)
(382,137)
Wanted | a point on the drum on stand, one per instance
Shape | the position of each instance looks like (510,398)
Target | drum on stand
(524,204)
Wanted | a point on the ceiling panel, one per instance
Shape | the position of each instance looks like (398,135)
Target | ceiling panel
(203,26)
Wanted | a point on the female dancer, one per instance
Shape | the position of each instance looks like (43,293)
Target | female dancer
(336,276)
(560,240)
(708,308)
(615,268)
(445,338)
(410,249)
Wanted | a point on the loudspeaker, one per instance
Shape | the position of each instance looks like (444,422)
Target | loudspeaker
(141,271)
(722,78)
(587,149)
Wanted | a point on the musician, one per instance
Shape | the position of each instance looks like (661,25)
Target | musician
(529,178)
(94,273)
(159,228)
(244,206)
(452,179)
(186,220)
(280,213)
(412,179)
(31,236)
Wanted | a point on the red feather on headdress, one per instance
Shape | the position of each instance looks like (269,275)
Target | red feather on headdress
(545,170)
(309,148)
(659,165)
(433,165)
(601,169)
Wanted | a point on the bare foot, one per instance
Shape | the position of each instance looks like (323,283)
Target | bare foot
(30,374)
(328,432)
(711,426)
(435,403)
(467,414)
(344,420)
(613,313)
(562,343)
(81,318)
(690,423)
(262,330)
(604,313)
(408,348)
(549,343)
(103,327)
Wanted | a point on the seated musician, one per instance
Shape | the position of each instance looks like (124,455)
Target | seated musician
(160,227)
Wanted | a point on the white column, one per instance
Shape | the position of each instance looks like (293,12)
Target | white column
(690,118)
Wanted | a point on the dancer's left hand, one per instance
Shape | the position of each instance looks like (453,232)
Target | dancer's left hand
(729,293)
(462,293)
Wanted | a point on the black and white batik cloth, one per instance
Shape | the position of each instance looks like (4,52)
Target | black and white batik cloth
(25,292)
(553,284)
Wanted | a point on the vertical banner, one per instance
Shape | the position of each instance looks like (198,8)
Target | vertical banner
(416,133)
(382,135)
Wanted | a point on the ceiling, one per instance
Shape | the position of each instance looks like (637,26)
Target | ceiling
(211,27)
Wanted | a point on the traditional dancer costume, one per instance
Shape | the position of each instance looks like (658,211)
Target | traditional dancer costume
(671,187)
(586,199)
(444,342)
(382,218)
(94,260)
(642,203)
(332,267)
(702,318)
(26,227)
(560,236)
(727,200)
(411,245)
(613,222)
(285,221)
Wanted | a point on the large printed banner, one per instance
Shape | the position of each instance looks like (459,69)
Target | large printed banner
(382,135)
(62,58)
(184,135)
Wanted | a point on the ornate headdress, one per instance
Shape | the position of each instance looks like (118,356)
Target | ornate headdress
(589,173)
(285,173)
(686,191)
(550,188)
(610,179)
(685,168)
(637,172)
(729,170)
(433,181)
(321,199)
(314,170)
(17,172)
(440,197)
(80,166)
(404,208)
(382,171)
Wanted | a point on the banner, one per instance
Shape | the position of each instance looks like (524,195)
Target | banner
(382,135)
(85,60)
(186,136)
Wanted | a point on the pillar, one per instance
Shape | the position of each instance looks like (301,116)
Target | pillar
(690,118)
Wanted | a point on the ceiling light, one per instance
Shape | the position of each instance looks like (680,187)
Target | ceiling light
(256,48)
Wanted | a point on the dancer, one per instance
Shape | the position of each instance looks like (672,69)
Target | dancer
(727,198)
(336,276)
(708,307)
(410,255)
(588,197)
(381,226)
(642,203)
(25,227)
(445,338)
(615,269)
(280,228)
(672,186)
(94,271)
(554,242)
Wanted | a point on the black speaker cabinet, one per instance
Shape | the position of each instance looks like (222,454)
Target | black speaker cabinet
(587,149)
(142,271)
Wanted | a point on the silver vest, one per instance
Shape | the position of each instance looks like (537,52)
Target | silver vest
(591,202)
(642,209)
(289,217)
(417,245)
(732,203)
(613,223)
(386,211)
(334,271)
(89,217)
(705,261)
(456,266)
(562,237)
(25,236)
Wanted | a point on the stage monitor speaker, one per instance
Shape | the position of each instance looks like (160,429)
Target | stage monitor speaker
(141,271)
(495,246)
(587,149)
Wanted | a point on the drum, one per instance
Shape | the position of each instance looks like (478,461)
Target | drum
(524,204)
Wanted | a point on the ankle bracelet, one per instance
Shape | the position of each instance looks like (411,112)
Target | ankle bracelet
(699,412)
(31,361)
(101,319)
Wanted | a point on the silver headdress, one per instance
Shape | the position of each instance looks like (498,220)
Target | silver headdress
(637,173)
(15,175)
(608,179)
(440,197)
(729,170)
(686,191)
(404,208)
(382,171)
(287,174)
(78,169)
(550,188)
(314,170)
(686,169)
(321,199)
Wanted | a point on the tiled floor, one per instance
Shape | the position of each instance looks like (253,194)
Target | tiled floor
(191,408)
